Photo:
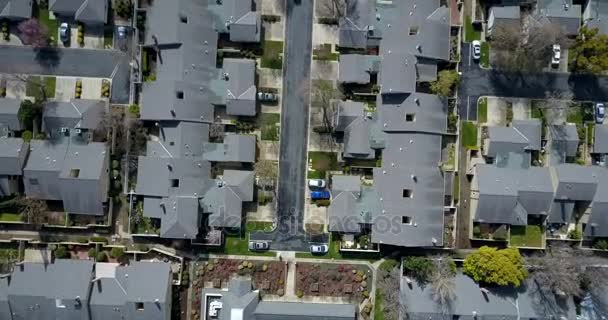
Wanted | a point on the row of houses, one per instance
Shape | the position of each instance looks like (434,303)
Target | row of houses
(84,290)
(190,93)
(396,46)
(67,166)
(90,12)
(509,188)
(565,15)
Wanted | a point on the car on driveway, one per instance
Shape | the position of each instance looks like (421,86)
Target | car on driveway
(316,183)
(267,97)
(64,32)
(600,113)
(556,56)
(319,248)
(320,195)
(476,49)
(258,245)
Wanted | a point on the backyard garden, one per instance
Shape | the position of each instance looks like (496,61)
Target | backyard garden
(333,280)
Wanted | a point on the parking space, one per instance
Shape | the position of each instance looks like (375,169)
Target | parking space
(93,37)
(91,88)
(65,88)
(15,89)
(324,33)
(324,70)
(521,108)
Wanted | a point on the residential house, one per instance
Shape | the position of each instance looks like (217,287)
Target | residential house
(68,171)
(83,290)
(356,29)
(472,301)
(138,291)
(595,15)
(507,18)
(562,14)
(239,301)
(236,18)
(563,143)
(93,12)
(600,143)
(16,9)
(235,148)
(79,117)
(9,116)
(13,152)
(239,75)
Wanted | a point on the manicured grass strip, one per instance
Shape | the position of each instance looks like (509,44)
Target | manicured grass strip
(237,246)
(108,38)
(324,53)
(11,217)
(485,55)
(482,110)
(470,33)
(34,83)
(456,194)
(469,135)
(590,132)
(378,314)
(270,128)
(52,25)
(272,55)
(526,236)
(258,226)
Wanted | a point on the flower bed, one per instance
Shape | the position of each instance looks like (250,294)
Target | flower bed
(334,280)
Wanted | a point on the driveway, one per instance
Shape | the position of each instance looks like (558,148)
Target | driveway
(289,234)
(109,64)
(476,82)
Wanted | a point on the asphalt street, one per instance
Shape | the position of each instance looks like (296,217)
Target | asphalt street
(476,82)
(289,234)
(70,62)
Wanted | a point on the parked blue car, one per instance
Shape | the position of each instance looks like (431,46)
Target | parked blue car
(320,195)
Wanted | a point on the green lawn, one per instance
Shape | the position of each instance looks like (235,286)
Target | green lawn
(324,53)
(10,217)
(526,236)
(590,127)
(484,61)
(575,115)
(270,128)
(32,88)
(52,25)
(469,135)
(258,226)
(470,33)
(536,112)
(239,246)
(378,314)
(482,110)
(321,162)
(272,57)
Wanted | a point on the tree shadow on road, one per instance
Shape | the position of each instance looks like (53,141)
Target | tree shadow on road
(48,57)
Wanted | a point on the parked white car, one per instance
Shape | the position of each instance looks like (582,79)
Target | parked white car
(476,49)
(64,32)
(556,56)
(316,183)
(600,113)
(316,248)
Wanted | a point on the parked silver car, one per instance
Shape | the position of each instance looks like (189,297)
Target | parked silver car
(319,248)
(64,32)
(258,245)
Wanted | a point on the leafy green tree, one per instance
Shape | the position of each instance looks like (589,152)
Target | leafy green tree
(419,268)
(117,253)
(62,253)
(590,52)
(124,8)
(101,257)
(496,267)
(28,112)
(27,136)
(446,81)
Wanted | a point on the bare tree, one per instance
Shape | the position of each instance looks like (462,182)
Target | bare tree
(323,93)
(560,269)
(216,131)
(266,171)
(335,8)
(528,50)
(555,106)
(393,306)
(442,282)
(33,33)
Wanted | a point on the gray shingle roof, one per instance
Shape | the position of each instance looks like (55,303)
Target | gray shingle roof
(240,91)
(397,73)
(564,142)
(508,12)
(239,301)
(237,18)
(596,15)
(526,302)
(417,112)
(156,176)
(304,311)
(563,15)
(342,213)
(16,9)
(12,156)
(531,129)
(236,148)
(86,11)
(78,113)
(600,139)
(177,100)
(9,113)
(575,182)
(356,68)
(354,26)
